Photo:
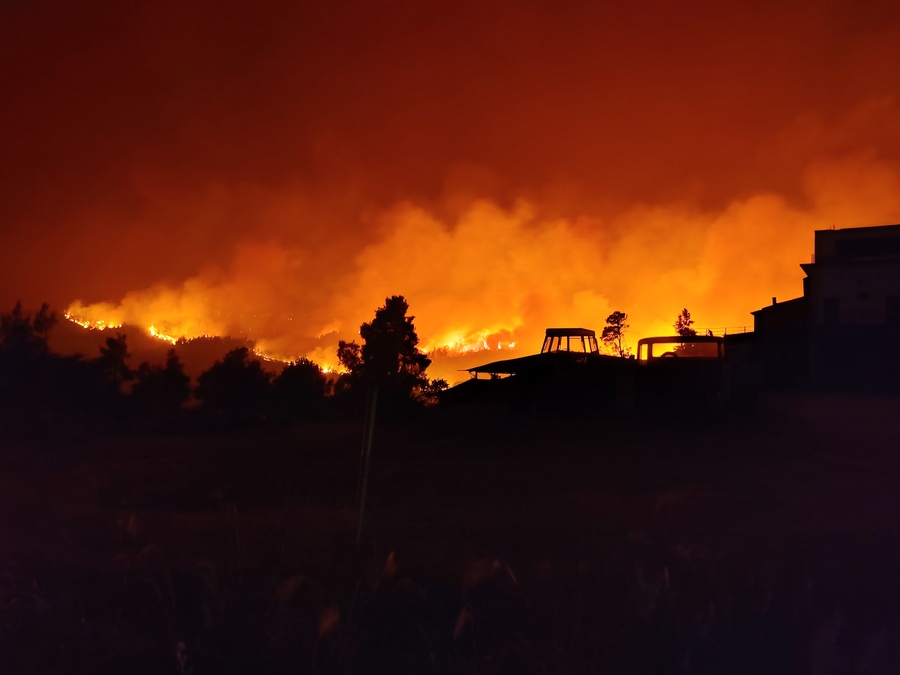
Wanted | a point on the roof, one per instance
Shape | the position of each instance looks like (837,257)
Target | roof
(536,363)
(562,332)
(782,306)
(676,339)
(505,367)
(866,229)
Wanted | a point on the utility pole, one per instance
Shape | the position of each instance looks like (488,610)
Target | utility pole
(365,459)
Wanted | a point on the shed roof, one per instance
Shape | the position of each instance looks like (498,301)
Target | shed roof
(507,366)
(562,332)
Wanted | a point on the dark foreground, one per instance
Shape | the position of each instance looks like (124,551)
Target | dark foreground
(492,543)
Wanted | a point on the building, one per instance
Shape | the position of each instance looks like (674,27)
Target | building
(854,277)
(844,332)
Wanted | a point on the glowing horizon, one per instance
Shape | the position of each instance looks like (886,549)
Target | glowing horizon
(505,167)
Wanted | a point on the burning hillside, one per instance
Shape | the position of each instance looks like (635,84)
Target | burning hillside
(491,278)
(274,175)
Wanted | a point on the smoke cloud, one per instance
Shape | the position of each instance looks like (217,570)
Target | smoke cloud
(495,276)
(277,171)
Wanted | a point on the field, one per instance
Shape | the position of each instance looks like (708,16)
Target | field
(492,542)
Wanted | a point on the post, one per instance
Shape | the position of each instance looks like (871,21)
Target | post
(365,459)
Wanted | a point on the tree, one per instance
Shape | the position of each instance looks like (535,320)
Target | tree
(389,357)
(24,357)
(23,336)
(683,324)
(300,389)
(48,388)
(44,320)
(614,332)
(237,386)
(162,389)
(431,392)
(112,362)
(350,356)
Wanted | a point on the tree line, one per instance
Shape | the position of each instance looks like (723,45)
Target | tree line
(38,386)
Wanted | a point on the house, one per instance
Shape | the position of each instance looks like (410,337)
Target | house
(844,332)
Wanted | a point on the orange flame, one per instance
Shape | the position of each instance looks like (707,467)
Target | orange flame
(96,324)
(494,277)
(151,329)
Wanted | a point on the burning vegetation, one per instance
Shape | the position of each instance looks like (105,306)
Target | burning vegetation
(488,278)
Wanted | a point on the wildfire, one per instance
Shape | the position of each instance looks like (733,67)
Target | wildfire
(452,344)
(151,329)
(460,347)
(461,341)
(325,360)
(488,279)
(269,357)
(98,324)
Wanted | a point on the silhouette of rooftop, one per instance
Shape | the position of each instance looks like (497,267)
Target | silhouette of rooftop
(857,244)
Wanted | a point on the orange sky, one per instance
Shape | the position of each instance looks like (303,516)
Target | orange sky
(505,165)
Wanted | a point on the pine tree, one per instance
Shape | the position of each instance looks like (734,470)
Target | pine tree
(389,357)
(614,332)
(683,324)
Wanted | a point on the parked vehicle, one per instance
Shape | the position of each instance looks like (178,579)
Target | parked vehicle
(671,374)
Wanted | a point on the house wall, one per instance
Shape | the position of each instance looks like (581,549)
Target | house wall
(855,293)
(853,290)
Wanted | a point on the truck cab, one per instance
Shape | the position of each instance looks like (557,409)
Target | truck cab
(682,373)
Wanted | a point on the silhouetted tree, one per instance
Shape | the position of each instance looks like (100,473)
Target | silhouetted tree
(389,357)
(236,386)
(350,356)
(44,321)
(162,389)
(25,368)
(300,389)
(22,336)
(430,393)
(112,363)
(614,332)
(683,324)
(79,389)
(45,389)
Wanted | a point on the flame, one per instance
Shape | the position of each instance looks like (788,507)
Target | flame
(531,273)
(151,329)
(484,276)
(458,342)
(95,324)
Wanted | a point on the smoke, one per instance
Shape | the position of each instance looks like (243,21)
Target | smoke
(277,172)
(493,276)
